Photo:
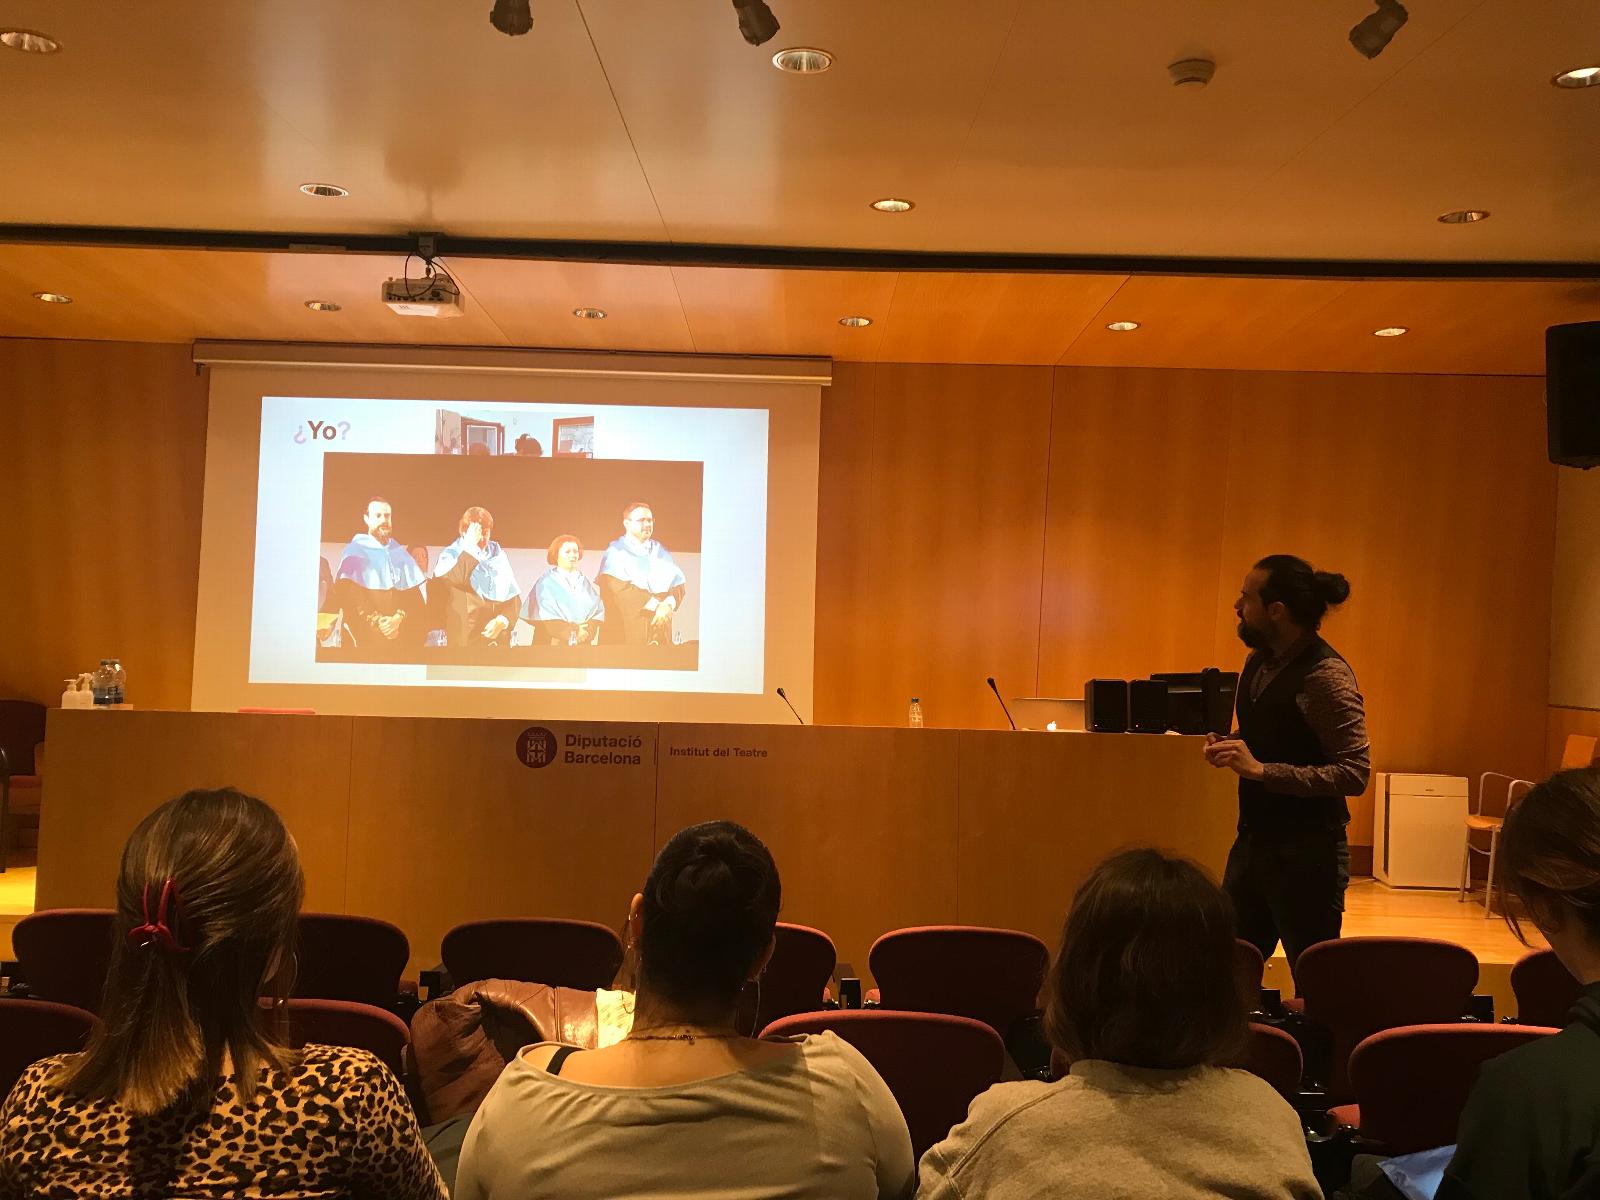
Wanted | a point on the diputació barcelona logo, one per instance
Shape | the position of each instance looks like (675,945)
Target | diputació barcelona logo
(536,746)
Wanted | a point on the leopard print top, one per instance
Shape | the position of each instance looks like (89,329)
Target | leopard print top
(335,1127)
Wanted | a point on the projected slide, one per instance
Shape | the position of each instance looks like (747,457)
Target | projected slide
(510,545)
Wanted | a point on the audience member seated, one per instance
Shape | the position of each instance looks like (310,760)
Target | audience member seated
(186,1088)
(1531,1128)
(686,1104)
(1143,1002)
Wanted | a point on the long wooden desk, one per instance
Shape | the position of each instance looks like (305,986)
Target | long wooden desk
(431,822)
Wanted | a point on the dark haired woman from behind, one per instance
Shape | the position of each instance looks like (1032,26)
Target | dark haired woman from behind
(686,1104)
(187,1088)
(1531,1129)
(1143,1001)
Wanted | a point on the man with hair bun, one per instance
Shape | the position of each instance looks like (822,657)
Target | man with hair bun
(1299,750)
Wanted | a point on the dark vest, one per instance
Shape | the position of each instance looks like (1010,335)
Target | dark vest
(1276,731)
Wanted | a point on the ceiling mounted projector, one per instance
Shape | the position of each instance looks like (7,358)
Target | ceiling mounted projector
(434,296)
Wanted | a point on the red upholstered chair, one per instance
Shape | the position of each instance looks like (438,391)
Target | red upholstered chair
(561,953)
(35,1029)
(1355,987)
(1252,969)
(933,1063)
(1273,1055)
(349,958)
(65,954)
(1545,990)
(991,975)
(345,1023)
(21,732)
(1412,1083)
(796,979)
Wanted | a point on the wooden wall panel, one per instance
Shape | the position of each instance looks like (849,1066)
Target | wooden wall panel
(102,453)
(1134,525)
(111,769)
(953,532)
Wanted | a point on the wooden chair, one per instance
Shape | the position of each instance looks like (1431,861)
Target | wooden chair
(1579,751)
(1487,816)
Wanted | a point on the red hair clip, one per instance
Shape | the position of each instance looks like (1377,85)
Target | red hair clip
(159,930)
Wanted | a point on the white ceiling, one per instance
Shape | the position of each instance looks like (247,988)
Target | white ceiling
(1016,125)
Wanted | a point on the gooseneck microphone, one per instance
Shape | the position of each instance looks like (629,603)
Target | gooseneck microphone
(1003,707)
(784,696)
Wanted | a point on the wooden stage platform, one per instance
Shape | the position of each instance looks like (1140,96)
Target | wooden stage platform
(427,823)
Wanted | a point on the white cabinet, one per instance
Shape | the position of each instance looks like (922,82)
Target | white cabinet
(1418,828)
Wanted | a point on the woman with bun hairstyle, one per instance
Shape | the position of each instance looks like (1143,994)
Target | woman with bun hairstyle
(187,1086)
(688,1104)
(1299,749)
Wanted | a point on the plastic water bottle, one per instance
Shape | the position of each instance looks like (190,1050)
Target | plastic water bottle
(119,682)
(916,713)
(101,683)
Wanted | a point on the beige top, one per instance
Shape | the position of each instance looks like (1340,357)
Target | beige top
(817,1123)
(1125,1133)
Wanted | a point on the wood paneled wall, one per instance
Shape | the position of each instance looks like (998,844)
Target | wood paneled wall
(1161,487)
(102,458)
(1040,524)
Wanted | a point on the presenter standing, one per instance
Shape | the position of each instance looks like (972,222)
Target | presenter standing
(1299,750)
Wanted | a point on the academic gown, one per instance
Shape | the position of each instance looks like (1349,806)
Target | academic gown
(379,579)
(634,578)
(477,586)
(561,601)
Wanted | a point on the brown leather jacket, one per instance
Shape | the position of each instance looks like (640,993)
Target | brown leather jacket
(461,1042)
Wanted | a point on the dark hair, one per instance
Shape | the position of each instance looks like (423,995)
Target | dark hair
(710,906)
(555,547)
(1550,852)
(371,500)
(529,445)
(637,504)
(173,1006)
(1307,594)
(1145,976)
(482,516)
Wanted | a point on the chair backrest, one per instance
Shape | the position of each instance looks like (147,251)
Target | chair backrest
(991,975)
(1355,987)
(797,975)
(349,958)
(933,1063)
(1251,969)
(21,729)
(65,954)
(35,1029)
(1412,1083)
(1496,794)
(1271,1054)
(346,1023)
(1545,990)
(552,950)
(1579,750)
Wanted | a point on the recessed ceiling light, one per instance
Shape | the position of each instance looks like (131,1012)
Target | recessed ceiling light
(1464,216)
(590,314)
(30,41)
(323,305)
(855,322)
(891,204)
(1578,77)
(1123,326)
(803,60)
(1390,331)
(327,190)
(52,297)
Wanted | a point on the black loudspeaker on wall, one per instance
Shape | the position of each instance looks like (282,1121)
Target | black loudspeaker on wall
(1105,706)
(1147,705)
(1572,393)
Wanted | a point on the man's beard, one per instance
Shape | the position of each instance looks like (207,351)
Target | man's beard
(382,532)
(1252,637)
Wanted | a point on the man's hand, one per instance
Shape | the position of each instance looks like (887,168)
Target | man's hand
(474,535)
(1235,755)
(585,634)
(496,627)
(389,627)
